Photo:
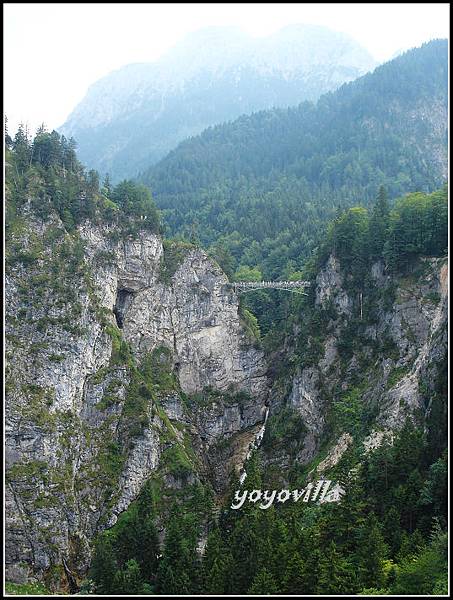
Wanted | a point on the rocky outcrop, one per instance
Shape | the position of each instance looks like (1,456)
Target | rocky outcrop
(197,318)
(80,445)
(342,444)
(391,373)
(417,324)
(329,286)
(306,397)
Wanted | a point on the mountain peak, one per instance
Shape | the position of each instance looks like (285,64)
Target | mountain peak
(212,75)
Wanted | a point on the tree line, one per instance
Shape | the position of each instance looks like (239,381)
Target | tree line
(44,171)
(386,536)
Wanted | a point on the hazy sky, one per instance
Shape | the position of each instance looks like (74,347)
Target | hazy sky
(53,52)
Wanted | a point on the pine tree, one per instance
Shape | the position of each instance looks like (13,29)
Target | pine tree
(93,181)
(179,568)
(372,551)
(244,542)
(345,518)
(22,150)
(107,186)
(213,563)
(128,580)
(215,579)
(70,157)
(166,580)
(313,553)
(294,581)
(47,150)
(104,565)
(263,584)
(8,139)
(148,549)
(392,530)
(379,223)
(336,574)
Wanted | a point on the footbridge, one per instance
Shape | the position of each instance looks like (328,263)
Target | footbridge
(290,286)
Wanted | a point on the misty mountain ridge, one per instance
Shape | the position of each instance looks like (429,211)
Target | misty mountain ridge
(132,117)
(276,176)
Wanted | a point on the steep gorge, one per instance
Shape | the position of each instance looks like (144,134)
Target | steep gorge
(128,360)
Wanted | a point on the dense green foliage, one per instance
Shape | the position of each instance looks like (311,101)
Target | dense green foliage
(124,554)
(44,174)
(385,536)
(259,191)
(416,226)
(128,558)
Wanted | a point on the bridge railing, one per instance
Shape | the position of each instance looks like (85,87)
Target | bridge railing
(296,287)
(270,284)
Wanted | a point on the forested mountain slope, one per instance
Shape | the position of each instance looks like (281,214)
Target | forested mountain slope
(261,188)
(132,117)
(138,390)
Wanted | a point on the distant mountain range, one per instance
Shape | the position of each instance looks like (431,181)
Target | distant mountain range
(134,116)
(275,176)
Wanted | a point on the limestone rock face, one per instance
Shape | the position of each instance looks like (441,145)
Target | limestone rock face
(307,399)
(335,454)
(329,285)
(196,316)
(418,327)
(410,325)
(78,448)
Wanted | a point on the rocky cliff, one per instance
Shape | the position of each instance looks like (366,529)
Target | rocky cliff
(372,362)
(125,358)
(129,360)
